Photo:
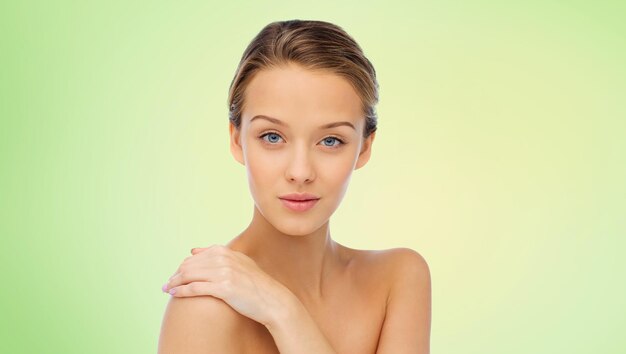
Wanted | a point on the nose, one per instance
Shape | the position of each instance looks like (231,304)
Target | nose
(300,167)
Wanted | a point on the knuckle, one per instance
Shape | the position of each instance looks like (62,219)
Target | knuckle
(220,259)
(226,272)
(220,249)
(227,285)
(197,286)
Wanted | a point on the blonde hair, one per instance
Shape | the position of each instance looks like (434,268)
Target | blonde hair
(314,45)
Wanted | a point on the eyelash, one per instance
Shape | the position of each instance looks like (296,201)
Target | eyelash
(341,142)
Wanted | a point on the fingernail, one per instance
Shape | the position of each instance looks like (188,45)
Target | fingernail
(172,292)
(164,288)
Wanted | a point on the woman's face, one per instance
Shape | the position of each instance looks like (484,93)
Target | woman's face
(286,149)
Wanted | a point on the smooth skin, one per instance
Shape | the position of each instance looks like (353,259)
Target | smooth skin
(283,285)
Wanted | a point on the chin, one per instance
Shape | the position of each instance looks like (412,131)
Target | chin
(294,224)
(297,230)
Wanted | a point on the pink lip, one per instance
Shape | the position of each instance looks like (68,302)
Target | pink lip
(299,196)
(296,205)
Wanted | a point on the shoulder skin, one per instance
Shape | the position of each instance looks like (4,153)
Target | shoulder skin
(199,324)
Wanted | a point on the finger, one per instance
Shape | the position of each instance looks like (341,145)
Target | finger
(172,277)
(202,288)
(194,259)
(195,262)
(203,274)
(207,258)
(173,280)
(196,250)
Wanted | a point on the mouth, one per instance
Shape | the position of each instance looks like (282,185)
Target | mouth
(299,196)
(299,205)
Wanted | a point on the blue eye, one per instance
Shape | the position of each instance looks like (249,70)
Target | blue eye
(273,138)
(331,139)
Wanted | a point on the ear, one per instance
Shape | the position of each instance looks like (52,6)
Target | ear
(235,143)
(366,151)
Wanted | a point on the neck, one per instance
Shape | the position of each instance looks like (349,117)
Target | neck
(300,262)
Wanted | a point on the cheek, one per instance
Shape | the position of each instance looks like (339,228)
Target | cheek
(263,168)
(336,171)
(339,169)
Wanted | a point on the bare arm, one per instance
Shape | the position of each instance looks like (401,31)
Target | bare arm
(202,324)
(406,329)
(236,286)
(205,324)
(295,332)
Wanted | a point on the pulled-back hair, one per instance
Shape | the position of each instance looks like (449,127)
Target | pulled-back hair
(314,45)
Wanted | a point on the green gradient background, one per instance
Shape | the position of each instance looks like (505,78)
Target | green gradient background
(502,131)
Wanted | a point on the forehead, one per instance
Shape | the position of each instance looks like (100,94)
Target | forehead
(293,93)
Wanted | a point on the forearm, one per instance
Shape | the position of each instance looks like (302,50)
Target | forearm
(295,331)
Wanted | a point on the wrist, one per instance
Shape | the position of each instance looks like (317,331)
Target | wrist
(295,331)
(288,308)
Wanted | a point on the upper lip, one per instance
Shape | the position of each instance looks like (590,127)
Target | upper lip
(296,196)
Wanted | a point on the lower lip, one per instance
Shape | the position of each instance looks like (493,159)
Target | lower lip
(299,205)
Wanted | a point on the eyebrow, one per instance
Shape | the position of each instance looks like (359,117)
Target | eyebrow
(280,122)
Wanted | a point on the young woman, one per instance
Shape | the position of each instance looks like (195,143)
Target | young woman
(302,119)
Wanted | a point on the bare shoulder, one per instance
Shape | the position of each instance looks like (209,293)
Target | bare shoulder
(407,262)
(405,276)
(395,263)
(200,324)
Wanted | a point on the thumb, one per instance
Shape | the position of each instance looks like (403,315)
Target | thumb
(197,250)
